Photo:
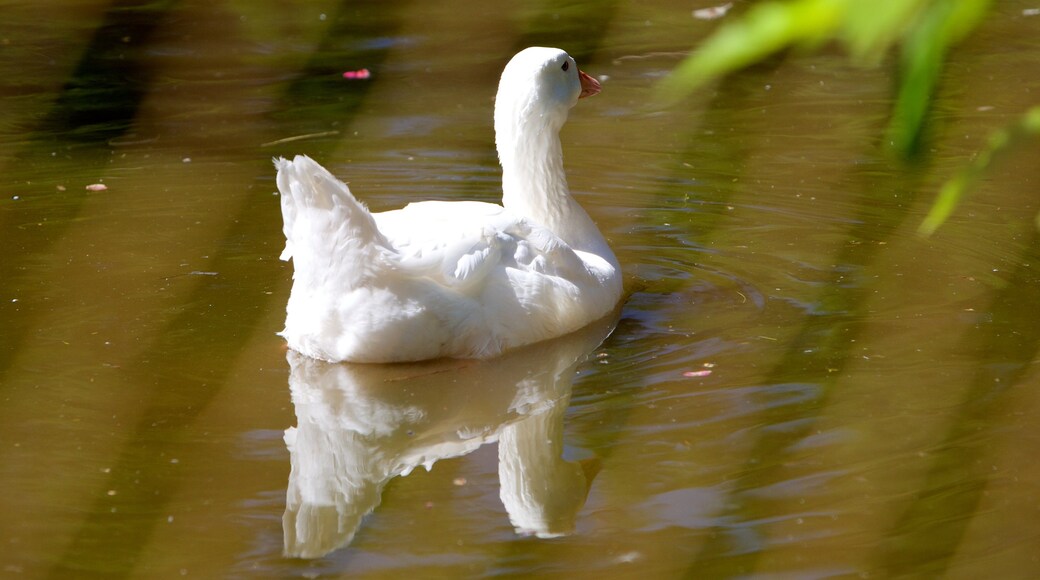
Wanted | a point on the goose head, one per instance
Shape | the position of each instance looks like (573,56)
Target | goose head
(537,89)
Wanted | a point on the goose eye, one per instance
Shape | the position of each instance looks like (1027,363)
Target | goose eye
(566,65)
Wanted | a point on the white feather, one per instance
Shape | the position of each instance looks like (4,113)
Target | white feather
(455,279)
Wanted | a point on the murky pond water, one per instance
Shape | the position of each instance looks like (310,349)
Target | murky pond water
(797,386)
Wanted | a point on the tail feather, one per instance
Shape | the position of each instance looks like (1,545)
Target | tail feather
(327,230)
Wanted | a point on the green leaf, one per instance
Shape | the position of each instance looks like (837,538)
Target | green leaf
(871,27)
(954,190)
(943,24)
(765,29)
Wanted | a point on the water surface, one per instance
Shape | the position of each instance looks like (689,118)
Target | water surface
(797,386)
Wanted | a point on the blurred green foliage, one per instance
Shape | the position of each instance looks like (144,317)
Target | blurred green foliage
(1027,127)
(923,31)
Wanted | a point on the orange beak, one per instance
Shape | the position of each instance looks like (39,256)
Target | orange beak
(589,85)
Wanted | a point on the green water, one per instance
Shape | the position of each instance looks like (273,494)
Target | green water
(798,385)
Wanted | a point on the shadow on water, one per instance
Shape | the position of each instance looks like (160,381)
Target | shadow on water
(359,35)
(919,542)
(101,99)
(734,546)
(1007,345)
(719,160)
(578,28)
(98,103)
(211,332)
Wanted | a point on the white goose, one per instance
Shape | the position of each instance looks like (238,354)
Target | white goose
(453,279)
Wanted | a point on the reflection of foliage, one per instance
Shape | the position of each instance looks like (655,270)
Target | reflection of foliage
(924,31)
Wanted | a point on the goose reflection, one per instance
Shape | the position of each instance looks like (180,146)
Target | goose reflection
(359,426)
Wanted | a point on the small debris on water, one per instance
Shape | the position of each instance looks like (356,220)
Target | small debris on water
(629,557)
(299,137)
(357,75)
(97,187)
(704,372)
(712,13)
(459,481)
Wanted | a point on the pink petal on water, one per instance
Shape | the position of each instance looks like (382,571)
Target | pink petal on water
(360,74)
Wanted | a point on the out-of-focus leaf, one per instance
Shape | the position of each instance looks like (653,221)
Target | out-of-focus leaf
(871,27)
(765,29)
(925,29)
(954,190)
(943,24)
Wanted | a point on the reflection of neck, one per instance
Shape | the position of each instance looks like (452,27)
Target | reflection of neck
(541,491)
(327,496)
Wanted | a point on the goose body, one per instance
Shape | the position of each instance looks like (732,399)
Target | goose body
(452,279)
